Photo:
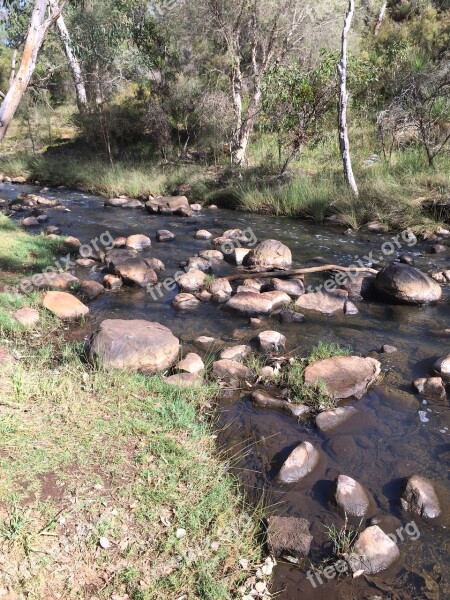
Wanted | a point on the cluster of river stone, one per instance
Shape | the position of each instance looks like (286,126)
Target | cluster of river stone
(150,347)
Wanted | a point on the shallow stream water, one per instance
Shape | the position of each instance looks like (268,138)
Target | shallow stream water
(385,443)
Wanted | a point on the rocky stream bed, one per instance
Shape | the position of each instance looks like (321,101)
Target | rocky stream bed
(177,287)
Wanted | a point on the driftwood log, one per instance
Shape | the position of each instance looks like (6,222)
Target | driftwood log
(290,273)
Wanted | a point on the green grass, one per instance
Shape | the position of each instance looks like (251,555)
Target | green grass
(325,350)
(21,253)
(393,193)
(91,453)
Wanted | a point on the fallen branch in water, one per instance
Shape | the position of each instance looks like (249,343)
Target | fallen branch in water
(279,274)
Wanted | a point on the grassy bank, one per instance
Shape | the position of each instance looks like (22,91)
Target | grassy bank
(398,193)
(111,485)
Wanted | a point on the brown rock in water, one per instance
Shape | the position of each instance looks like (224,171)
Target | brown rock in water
(292,287)
(419,496)
(116,201)
(373,551)
(344,376)
(120,242)
(235,352)
(164,235)
(220,290)
(29,222)
(288,535)
(254,303)
(135,271)
(191,281)
(406,285)
(324,302)
(191,363)
(300,462)
(329,419)
(155,264)
(442,367)
(86,263)
(230,370)
(111,282)
(134,345)
(64,305)
(358,286)
(167,204)
(431,388)
(185,302)
(138,242)
(271,341)
(202,234)
(91,289)
(351,497)
(269,254)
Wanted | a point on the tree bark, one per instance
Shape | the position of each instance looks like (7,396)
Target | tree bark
(344,143)
(380,18)
(77,75)
(39,25)
(12,73)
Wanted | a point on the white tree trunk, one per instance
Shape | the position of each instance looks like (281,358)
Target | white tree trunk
(39,25)
(77,75)
(344,143)
(380,17)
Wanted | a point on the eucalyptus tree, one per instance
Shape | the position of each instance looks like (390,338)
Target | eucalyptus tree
(43,16)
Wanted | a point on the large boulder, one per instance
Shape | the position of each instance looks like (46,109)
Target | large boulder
(135,271)
(135,345)
(167,204)
(373,551)
(64,305)
(300,462)
(407,285)
(419,496)
(344,376)
(288,535)
(351,497)
(269,254)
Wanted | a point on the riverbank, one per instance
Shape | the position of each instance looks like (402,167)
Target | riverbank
(397,194)
(111,483)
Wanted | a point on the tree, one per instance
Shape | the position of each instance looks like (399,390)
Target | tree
(74,63)
(423,107)
(380,18)
(295,104)
(256,34)
(42,18)
(344,143)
